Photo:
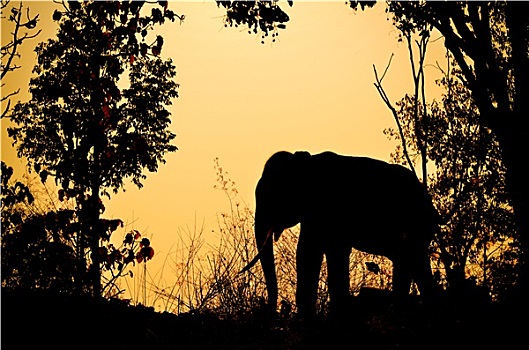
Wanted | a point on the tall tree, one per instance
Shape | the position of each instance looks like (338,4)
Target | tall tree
(99,108)
(490,43)
(468,179)
(478,240)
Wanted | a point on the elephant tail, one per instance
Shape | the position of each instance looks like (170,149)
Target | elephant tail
(267,241)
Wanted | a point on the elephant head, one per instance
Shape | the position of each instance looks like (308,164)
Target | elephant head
(279,199)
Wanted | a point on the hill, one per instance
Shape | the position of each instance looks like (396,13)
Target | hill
(375,321)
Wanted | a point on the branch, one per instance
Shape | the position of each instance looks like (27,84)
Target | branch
(11,48)
(4,113)
(419,85)
(9,95)
(384,96)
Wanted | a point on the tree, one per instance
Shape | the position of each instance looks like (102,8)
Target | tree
(470,191)
(489,42)
(468,181)
(31,259)
(478,240)
(82,126)
(418,111)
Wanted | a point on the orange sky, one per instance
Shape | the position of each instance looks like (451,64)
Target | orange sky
(241,101)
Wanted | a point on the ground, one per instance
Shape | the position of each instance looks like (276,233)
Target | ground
(374,322)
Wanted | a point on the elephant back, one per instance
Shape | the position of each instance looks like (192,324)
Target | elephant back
(368,188)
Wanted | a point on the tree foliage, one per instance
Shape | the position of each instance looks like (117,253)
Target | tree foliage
(264,17)
(31,258)
(260,17)
(478,240)
(490,43)
(79,117)
(98,114)
(42,244)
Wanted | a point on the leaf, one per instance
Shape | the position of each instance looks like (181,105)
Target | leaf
(57,15)
(128,238)
(43,176)
(159,41)
(145,242)
(148,253)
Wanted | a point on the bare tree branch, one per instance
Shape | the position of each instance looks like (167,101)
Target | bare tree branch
(385,98)
(24,29)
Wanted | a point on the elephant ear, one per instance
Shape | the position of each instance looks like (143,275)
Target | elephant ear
(276,164)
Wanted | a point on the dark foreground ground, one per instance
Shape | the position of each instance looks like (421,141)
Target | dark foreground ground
(374,322)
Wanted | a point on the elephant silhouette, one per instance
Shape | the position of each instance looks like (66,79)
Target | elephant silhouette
(343,202)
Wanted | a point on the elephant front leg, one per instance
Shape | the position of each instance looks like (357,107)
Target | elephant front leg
(309,258)
(402,276)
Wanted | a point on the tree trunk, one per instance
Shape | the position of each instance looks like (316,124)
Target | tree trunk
(516,139)
(95,233)
(96,100)
(513,140)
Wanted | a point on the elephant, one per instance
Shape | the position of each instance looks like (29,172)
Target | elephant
(343,202)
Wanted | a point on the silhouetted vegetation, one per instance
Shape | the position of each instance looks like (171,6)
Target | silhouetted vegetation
(494,35)
(88,133)
(81,126)
(211,305)
(41,239)
(478,240)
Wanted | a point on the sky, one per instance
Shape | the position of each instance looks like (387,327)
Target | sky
(241,101)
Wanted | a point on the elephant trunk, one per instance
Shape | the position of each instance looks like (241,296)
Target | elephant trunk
(265,245)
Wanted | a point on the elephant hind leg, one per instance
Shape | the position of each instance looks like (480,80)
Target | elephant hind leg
(414,266)
(423,276)
(338,272)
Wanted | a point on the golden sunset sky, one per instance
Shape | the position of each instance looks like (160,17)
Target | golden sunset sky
(241,101)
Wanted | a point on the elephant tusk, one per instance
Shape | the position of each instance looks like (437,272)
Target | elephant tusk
(259,253)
